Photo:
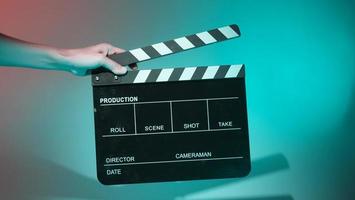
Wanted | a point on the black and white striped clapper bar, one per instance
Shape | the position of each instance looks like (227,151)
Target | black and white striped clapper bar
(171,124)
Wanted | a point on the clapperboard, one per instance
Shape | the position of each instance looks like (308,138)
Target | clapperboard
(171,124)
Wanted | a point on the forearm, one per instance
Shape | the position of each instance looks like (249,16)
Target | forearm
(14,52)
(19,53)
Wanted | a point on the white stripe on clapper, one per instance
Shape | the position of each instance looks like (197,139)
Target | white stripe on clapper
(161,48)
(228,32)
(142,76)
(233,71)
(139,54)
(184,43)
(206,37)
(187,73)
(210,72)
(165,75)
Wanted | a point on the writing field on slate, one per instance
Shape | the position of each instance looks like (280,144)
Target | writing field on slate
(171,124)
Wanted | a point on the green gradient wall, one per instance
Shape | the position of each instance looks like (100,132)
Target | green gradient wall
(300,72)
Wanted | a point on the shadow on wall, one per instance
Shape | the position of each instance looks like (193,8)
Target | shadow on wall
(343,142)
(264,166)
(32,177)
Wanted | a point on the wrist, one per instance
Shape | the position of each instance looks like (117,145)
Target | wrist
(59,58)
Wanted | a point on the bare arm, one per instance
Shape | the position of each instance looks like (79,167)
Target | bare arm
(15,52)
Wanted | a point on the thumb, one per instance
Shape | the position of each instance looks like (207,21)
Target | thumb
(113,66)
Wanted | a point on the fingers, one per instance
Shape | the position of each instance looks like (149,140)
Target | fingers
(106,49)
(113,66)
(114,50)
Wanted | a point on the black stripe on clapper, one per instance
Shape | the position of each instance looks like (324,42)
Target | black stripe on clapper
(199,72)
(241,72)
(175,75)
(235,28)
(151,52)
(217,35)
(153,75)
(173,46)
(195,40)
(222,71)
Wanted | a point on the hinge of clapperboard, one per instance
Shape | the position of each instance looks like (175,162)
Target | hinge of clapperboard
(102,76)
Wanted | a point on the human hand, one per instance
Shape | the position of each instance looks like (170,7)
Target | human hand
(77,61)
(80,61)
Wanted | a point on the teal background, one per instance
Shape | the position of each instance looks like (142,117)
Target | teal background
(300,74)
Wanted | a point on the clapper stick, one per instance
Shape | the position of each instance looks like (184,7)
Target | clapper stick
(177,45)
(170,74)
